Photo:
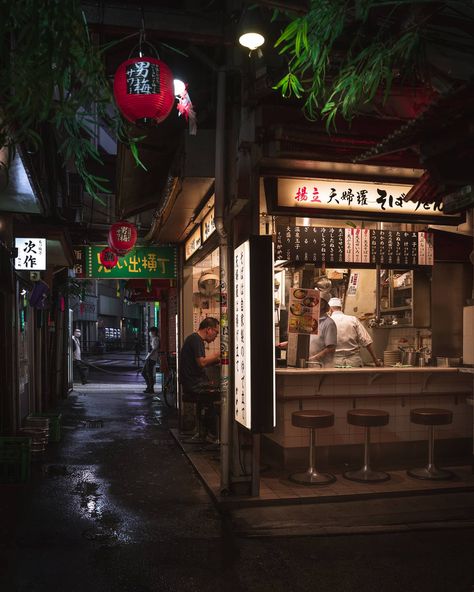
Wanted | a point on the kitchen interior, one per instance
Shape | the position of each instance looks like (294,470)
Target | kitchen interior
(416,317)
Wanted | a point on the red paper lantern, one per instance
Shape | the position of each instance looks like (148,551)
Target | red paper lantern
(122,237)
(108,258)
(143,89)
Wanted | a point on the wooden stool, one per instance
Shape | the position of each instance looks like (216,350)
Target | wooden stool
(312,419)
(367,418)
(431,417)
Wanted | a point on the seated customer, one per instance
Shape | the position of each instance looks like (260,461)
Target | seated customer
(193,362)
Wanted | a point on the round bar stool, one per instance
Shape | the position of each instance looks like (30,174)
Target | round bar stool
(202,400)
(367,418)
(313,419)
(431,417)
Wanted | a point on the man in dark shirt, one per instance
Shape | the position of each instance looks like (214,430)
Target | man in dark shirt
(192,374)
(193,359)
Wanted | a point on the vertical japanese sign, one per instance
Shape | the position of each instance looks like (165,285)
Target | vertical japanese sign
(242,342)
(254,335)
(31,254)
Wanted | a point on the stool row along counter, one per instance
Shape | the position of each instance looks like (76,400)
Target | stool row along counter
(315,419)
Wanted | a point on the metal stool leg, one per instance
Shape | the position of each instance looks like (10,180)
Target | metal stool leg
(311,476)
(366,474)
(199,437)
(431,471)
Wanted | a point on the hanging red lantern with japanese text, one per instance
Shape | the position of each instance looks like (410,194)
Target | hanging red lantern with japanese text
(143,90)
(108,258)
(122,237)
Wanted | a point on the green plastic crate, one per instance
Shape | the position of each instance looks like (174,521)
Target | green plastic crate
(15,457)
(54,424)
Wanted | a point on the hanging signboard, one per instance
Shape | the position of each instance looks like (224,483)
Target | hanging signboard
(208,225)
(140,262)
(254,353)
(358,199)
(31,254)
(303,316)
(365,247)
(193,243)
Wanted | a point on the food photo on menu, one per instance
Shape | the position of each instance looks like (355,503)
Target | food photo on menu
(303,314)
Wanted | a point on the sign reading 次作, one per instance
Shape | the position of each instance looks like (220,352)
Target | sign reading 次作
(31,254)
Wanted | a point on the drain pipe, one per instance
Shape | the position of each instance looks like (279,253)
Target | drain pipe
(225,418)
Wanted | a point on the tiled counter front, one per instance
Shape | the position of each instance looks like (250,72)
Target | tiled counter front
(393,390)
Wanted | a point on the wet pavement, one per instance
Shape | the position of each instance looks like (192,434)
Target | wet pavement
(117,506)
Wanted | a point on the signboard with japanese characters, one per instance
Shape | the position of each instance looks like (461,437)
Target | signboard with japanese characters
(254,341)
(193,243)
(139,263)
(208,225)
(359,199)
(365,247)
(242,409)
(31,254)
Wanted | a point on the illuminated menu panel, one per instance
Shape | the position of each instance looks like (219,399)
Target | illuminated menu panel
(242,340)
(391,248)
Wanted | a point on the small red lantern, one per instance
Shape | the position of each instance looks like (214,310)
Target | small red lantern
(143,89)
(108,258)
(122,237)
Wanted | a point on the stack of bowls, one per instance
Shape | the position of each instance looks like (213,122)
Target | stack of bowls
(391,357)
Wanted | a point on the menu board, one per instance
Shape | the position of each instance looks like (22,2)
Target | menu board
(303,311)
(310,244)
(390,248)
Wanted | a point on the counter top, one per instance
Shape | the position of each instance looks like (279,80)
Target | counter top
(369,370)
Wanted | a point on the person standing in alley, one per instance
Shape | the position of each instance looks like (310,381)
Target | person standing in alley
(351,335)
(78,364)
(148,372)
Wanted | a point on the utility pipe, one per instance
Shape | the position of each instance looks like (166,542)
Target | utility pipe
(225,417)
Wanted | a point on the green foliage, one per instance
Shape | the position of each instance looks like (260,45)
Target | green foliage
(50,72)
(342,52)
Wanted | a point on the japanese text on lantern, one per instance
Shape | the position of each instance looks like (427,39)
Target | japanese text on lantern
(143,78)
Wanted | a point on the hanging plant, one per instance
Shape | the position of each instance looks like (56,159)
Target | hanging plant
(50,73)
(342,55)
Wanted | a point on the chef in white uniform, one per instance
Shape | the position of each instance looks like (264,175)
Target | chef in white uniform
(351,335)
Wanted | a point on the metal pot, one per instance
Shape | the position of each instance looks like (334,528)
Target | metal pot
(409,358)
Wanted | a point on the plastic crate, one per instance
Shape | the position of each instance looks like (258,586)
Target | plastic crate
(54,425)
(15,457)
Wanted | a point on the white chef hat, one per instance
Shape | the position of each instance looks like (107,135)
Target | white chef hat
(335,302)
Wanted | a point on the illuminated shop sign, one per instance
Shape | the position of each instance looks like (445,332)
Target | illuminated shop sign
(193,243)
(139,263)
(336,197)
(254,341)
(331,245)
(31,254)
(208,225)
